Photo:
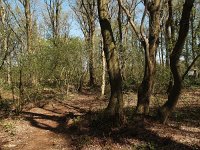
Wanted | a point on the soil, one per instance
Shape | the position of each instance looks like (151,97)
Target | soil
(73,123)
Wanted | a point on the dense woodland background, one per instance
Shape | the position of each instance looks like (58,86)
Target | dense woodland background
(141,51)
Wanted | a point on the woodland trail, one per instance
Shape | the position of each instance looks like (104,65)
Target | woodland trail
(55,124)
(46,126)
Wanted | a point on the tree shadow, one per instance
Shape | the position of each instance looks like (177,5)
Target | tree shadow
(92,125)
(6,108)
(188,115)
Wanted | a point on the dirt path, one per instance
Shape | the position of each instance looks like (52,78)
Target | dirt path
(46,127)
(49,127)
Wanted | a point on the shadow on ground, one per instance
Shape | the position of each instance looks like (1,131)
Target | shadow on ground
(87,126)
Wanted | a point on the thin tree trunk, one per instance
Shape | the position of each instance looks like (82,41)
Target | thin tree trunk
(187,53)
(81,81)
(175,92)
(161,50)
(121,49)
(169,40)
(91,58)
(88,19)
(20,100)
(169,36)
(28,24)
(9,70)
(193,34)
(159,55)
(103,85)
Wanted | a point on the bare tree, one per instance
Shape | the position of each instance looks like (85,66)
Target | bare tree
(54,8)
(28,27)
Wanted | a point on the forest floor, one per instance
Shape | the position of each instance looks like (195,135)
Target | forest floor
(55,124)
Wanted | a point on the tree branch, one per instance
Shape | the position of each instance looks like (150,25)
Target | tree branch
(190,66)
(133,25)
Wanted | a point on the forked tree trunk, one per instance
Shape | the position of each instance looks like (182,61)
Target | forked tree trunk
(114,109)
(175,92)
(146,87)
(150,46)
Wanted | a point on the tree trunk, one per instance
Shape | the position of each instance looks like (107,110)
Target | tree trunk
(9,70)
(103,85)
(169,36)
(114,109)
(193,34)
(5,44)
(91,57)
(161,50)
(28,24)
(187,53)
(81,81)
(87,19)
(175,92)
(146,87)
(121,48)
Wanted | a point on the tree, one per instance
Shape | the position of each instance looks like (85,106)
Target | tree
(5,31)
(115,106)
(54,13)
(85,11)
(150,44)
(175,92)
(28,27)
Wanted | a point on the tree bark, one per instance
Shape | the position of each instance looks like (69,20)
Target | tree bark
(175,92)
(169,36)
(91,56)
(121,48)
(114,109)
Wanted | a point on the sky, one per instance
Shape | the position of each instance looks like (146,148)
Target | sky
(38,6)
(75,27)
(39,9)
